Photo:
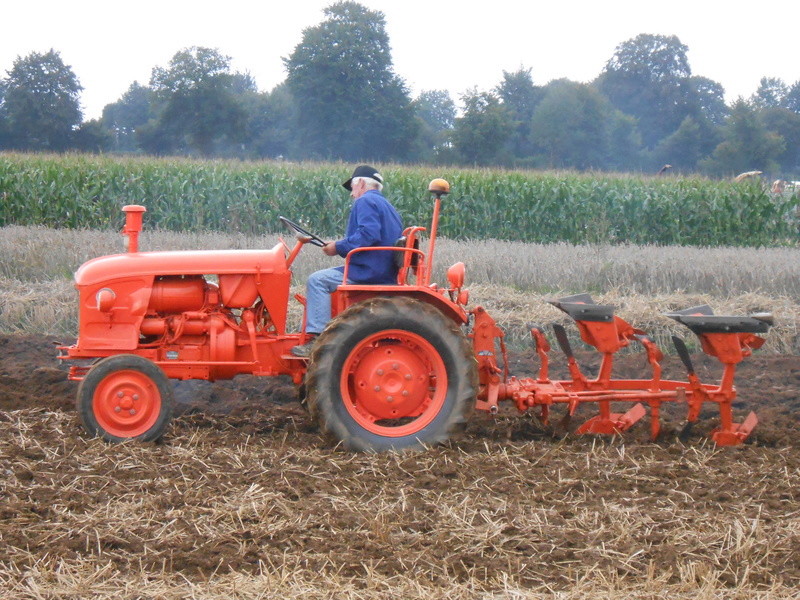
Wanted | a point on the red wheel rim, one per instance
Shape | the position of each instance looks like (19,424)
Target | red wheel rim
(126,403)
(394,383)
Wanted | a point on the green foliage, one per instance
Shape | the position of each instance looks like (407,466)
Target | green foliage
(482,131)
(649,78)
(747,144)
(40,103)
(436,113)
(574,126)
(771,93)
(350,103)
(127,115)
(199,105)
(183,195)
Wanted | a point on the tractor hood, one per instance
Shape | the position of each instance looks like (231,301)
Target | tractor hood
(194,262)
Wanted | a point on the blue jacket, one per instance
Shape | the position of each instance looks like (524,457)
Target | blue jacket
(373,222)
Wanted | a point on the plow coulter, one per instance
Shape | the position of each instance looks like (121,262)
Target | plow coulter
(729,339)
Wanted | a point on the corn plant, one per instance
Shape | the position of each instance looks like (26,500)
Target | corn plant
(180,194)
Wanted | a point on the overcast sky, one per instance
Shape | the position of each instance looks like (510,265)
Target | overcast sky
(436,44)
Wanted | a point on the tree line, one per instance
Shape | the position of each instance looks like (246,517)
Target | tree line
(341,99)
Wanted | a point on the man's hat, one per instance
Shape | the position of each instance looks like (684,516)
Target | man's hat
(363,171)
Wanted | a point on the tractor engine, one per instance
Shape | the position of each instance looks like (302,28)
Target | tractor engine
(197,314)
(186,318)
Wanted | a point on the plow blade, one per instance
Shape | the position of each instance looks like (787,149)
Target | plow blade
(737,433)
(614,422)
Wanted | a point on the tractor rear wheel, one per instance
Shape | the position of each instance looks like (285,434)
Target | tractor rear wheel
(124,397)
(391,374)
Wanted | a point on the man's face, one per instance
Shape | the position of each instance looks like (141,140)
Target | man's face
(357,189)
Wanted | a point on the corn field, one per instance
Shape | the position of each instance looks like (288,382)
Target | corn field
(76,191)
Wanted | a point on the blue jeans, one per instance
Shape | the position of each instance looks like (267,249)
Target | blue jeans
(320,286)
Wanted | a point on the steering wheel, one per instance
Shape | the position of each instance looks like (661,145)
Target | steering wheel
(314,241)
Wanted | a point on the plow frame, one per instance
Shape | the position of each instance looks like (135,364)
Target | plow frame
(729,339)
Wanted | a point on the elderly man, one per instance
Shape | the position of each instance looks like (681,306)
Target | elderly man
(373,221)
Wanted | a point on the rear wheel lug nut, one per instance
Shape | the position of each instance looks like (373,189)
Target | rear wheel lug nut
(133,412)
(120,394)
(380,371)
(117,409)
(408,376)
(390,398)
(136,396)
(395,366)
(405,392)
(377,388)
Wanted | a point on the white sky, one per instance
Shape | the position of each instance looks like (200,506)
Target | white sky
(436,44)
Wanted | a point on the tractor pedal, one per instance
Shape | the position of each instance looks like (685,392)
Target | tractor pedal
(615,423)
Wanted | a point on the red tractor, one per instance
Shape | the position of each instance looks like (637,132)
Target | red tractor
(399,366)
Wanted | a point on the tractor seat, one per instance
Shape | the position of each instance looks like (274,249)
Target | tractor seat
(701,319)
(399,257)
(582,307)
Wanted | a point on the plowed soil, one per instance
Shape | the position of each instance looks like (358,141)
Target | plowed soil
(243,489)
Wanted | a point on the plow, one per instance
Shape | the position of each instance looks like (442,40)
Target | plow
(729,339)
(400,366)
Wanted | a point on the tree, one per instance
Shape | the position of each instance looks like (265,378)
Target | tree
(771,93)
(483,129)
(792,99)
(41,105)
(648,78)
(747,145)
(198,104)
(4,135)
(350,103)
(93,136)
(127,115)
(574,126)
(270,125)
(684,148)
(706,101)
(436,112)
(520,96)
(785,123)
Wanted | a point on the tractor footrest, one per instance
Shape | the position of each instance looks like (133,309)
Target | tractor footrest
(78,372)
(737,434)
(290,356)
(615,422)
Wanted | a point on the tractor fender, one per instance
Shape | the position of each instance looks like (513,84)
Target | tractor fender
(347,295)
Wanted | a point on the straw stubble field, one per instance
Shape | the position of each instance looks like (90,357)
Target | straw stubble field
(243,498)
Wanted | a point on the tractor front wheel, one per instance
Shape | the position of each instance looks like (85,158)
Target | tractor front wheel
(124,397)
(391,374)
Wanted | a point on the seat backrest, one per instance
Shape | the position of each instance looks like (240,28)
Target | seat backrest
(408,262)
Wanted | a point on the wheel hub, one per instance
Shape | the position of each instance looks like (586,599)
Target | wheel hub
(126,403)
(392,381)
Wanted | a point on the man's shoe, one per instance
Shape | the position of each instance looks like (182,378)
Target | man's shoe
(304,351)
